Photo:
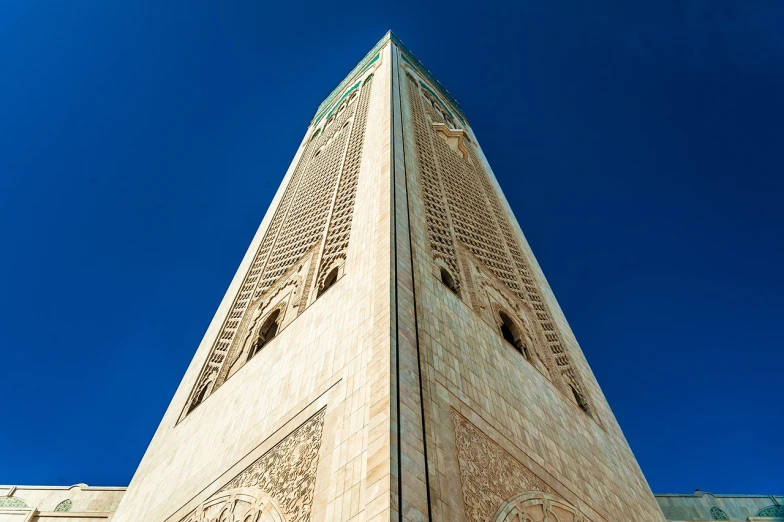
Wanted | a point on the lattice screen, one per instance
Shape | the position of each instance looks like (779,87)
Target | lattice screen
(323,184)
(462,206)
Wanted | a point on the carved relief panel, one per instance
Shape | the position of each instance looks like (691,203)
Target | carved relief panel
(497,487)
(277,487)
(240,505)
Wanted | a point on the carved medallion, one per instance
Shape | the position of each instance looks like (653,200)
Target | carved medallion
(535,506)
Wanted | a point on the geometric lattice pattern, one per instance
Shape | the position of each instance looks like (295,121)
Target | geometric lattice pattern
(317,203)
(65,505)
(771,511)
(339,229)
(718,514)
(12,502)
(462,207)
(441,244)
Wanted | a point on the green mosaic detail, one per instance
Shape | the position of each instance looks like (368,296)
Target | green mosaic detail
(771,511)
(365,68)
(369,59)
(65,505)
(410,59)
(370,63)
(337,103)
(718,514)
(428,89)
(12,502)
(361,67)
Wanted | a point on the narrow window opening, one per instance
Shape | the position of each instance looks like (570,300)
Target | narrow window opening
(449,281)
(268,332)
(508,335)
(511,334)
(330,280)
(578,397)
(198,399)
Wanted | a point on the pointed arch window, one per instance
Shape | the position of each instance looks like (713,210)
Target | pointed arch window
(329,281)
(449,281)
(579,398)
(199,398)
(267,332)
(512,334)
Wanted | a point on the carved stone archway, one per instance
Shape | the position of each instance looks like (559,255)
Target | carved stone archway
(535,506)
(238,505)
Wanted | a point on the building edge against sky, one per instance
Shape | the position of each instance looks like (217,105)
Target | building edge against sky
(377,398)
(389,349)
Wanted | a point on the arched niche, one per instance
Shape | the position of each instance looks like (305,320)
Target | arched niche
(238,505)
(536,506)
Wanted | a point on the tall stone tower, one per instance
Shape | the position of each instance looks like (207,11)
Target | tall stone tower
(389,348)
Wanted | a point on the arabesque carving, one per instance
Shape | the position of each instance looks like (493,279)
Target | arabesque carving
(277,487)
(287,472)
(488,474)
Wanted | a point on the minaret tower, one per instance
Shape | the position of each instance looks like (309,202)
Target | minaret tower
(389,348)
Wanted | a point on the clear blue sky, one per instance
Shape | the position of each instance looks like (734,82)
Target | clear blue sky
(639,145)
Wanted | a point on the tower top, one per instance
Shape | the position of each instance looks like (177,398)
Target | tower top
(371,58)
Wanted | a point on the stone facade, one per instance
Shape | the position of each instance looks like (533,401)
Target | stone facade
(706,506)
(389,349)
(80,503)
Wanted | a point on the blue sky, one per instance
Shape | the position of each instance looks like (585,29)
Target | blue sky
(640,147)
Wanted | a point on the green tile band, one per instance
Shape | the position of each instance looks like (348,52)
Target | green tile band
(337,103)
(369,59)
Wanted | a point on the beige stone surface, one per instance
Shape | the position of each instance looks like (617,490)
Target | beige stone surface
(58,503)
(387,396)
